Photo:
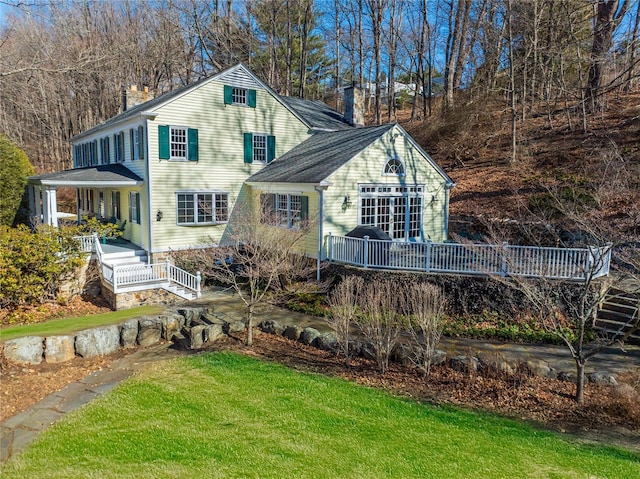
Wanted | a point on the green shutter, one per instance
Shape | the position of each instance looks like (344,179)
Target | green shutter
(248,148)
(251,98)
(228,95)
(304,208)
(192,135)
(271,148)
(141,142)
(163,142)
(138,207)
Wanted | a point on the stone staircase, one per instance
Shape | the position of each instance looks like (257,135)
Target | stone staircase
(618,312)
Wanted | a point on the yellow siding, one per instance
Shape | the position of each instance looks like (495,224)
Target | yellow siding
(368,167)
(221,164)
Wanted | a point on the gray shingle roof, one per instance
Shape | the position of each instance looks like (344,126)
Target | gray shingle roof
(317,114)
(319,156)
(93,174)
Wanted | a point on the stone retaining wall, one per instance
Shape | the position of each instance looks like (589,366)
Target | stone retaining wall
(190,327)
(489,363)
(137,298)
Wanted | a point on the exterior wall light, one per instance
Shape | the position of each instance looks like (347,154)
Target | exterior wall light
(159,215)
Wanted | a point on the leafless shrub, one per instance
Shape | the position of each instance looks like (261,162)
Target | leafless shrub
(423,306)
(343,302)
(380,321)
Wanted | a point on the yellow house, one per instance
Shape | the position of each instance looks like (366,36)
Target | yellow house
(170,170)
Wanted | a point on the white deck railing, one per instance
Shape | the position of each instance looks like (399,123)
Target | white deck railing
(485,259)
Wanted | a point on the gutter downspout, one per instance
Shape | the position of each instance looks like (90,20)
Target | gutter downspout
(446,209)
(320,189)
(148,188)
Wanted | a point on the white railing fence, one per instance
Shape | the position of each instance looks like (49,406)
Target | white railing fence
(486,259)
(121,276)
(86,243)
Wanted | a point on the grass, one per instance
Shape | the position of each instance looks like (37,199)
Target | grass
(224,415)
(73,325)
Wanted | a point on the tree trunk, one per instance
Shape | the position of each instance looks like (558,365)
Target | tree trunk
(608,15)
(249,326)
(580,364)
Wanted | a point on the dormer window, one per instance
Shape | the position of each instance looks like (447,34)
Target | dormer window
(394,167)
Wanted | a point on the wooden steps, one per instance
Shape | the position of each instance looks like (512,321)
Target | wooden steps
(619,312)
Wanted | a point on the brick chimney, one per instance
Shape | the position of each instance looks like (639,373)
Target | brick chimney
(354,106)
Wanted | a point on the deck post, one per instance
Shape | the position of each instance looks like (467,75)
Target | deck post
(503,270)
(198,282)
(330,252)
(365,253)
(428,257)
(167,264)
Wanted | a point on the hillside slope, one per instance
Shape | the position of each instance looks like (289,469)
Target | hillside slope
(599,167)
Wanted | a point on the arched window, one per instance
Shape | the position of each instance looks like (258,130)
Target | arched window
(394,167)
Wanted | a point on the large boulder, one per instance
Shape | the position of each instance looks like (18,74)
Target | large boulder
(271,327)
(150,331)
(402,354)
(327,342)
(465,363)
(233,327)
(98,341)
(58,349)
(212,332)
(26,350)
(171,325)
(538,367)
(197,336)
(602,378)
(192,315)
(309,335)
(129,333)
(292,332)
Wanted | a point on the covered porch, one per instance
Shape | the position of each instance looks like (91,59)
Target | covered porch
(42,189)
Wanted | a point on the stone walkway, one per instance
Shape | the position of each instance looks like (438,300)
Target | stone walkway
(20,430)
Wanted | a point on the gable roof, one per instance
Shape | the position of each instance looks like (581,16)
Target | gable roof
(316,158)
(102,175)
(148,107)
(318,114)
(321,155)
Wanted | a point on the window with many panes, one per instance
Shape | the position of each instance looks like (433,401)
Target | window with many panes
(239,96)
(397,210)
(115,205)
(197,208)
(260,148)
(178,143)
(288,210)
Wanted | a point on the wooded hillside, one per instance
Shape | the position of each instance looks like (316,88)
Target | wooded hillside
(509,96)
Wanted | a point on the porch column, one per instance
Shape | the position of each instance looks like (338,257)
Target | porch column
(32,203)
(78,211)
(37,190)
(50,206)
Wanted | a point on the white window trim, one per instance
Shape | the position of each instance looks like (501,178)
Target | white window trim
(290,218)
(389,190)
(246,96)
(186,144)
(266,148)
(214,195)
(384,168)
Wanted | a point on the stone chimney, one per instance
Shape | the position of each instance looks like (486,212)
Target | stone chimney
(133,96)
(354,106)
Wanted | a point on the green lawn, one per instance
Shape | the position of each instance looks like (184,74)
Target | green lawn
(227,415)
(73,325)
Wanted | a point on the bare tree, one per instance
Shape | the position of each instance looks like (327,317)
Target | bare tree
(344,305)
(568,308)
(258,258)
(423,305)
